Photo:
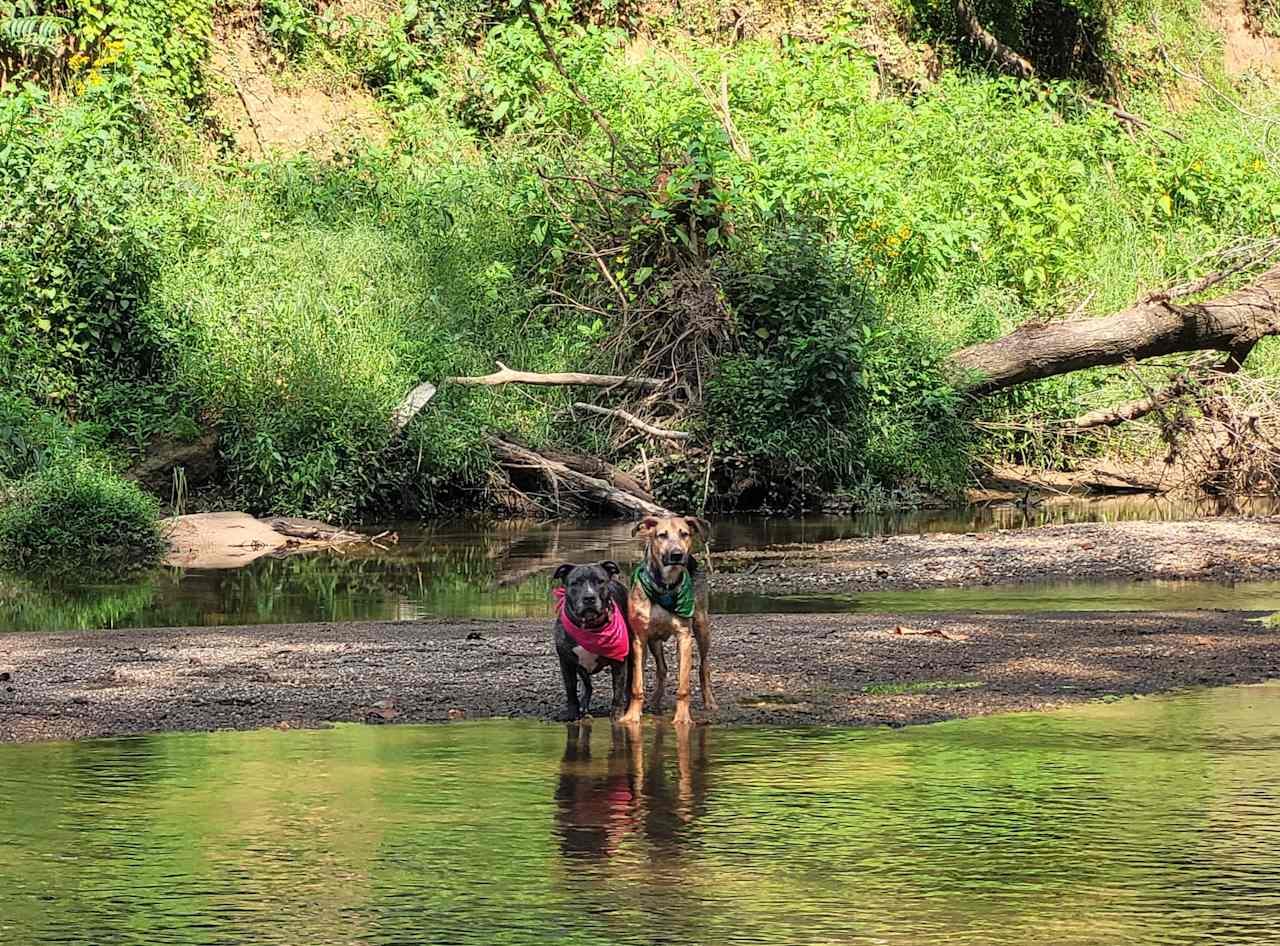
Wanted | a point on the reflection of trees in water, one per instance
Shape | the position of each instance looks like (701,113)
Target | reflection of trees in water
(29,606)
(632,789)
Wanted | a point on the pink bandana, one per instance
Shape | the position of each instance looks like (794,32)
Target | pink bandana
(610,641)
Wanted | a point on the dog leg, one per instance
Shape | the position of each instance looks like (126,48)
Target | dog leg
(620,686)
(703,636)
(569,674)
(585,710)
(634,708)
(684,793)
(684,645)
(659,672)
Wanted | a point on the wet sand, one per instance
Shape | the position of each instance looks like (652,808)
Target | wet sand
(768,669)
(1221,550)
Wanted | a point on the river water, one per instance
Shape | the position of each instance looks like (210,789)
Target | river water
(1142,821)
(503,569)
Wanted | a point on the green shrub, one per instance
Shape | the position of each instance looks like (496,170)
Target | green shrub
(32,438)
(77,518)
(79,243)
(824,393)
(288,25)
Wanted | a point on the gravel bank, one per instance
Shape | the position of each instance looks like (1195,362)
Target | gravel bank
(769,669)
(1224,550)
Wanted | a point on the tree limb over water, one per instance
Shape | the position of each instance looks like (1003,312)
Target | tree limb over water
(1155,326)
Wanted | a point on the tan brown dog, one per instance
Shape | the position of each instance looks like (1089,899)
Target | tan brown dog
(669,598)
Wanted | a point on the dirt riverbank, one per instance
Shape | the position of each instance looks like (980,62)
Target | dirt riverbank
(1222,550)
(769,669)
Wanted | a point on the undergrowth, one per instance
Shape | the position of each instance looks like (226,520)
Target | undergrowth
(798,271)
(75,519)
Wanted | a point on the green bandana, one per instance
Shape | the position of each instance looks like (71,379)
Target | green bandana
(679,601)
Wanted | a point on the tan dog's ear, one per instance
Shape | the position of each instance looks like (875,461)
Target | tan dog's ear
(700,526)
(646,525)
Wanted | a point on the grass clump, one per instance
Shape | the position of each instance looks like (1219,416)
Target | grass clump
(76,518)
(923,686)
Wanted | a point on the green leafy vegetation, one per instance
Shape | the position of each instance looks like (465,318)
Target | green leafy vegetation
(923,686)
(781,228)
(72,518)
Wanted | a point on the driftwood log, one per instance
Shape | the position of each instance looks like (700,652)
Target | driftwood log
(569,475)
(1155,326)
(603,486)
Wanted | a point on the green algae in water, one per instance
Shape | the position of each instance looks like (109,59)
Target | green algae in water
(1150,820)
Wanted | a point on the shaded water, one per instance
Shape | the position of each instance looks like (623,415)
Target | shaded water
(1143,821)
(503,570)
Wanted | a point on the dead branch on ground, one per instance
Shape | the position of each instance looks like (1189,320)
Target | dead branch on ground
(563,478)
(629,418)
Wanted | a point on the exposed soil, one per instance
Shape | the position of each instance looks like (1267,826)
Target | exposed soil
(1225,549)
(264,114)
(776,669)
(1246,47)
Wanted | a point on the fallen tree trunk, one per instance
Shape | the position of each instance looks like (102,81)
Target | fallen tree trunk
(1157,326)
(601,491)
(593,466)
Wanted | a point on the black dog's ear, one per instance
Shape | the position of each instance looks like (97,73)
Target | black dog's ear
(612,568)
(563,571)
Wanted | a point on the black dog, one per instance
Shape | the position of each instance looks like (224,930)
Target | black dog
(595,603)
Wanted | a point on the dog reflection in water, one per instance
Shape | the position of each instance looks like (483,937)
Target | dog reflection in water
(600,801)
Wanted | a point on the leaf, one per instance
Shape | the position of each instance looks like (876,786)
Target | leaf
(643,273)
(1165,203)
(762,332)
(500,111)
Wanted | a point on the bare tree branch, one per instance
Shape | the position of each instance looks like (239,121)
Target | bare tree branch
(634,421)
